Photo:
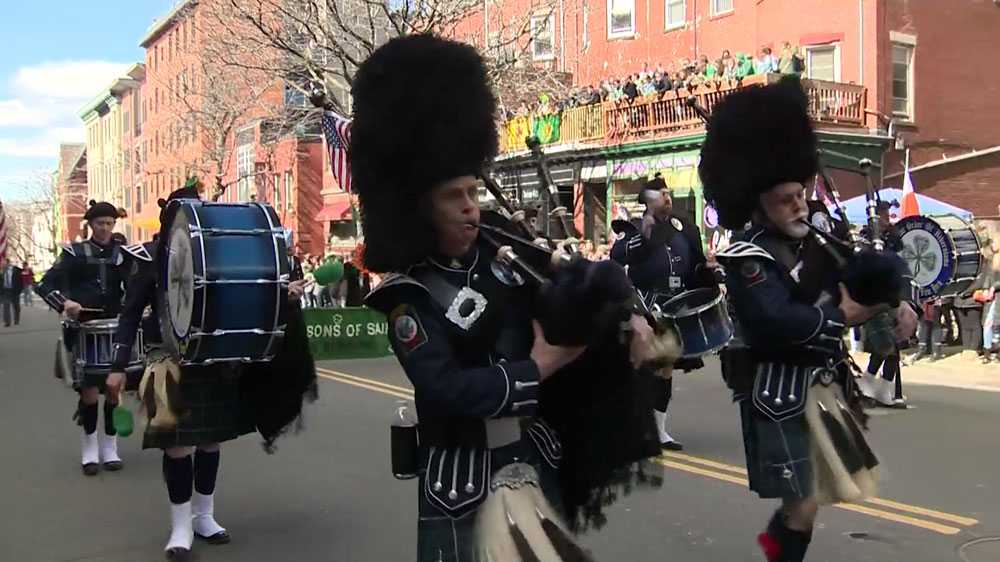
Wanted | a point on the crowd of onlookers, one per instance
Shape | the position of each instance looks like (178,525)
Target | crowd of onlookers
(684,74)
(350,290)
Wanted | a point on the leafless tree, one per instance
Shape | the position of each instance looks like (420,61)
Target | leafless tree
(33,220)
(321,42)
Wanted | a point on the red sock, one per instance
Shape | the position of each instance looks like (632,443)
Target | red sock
(770,546)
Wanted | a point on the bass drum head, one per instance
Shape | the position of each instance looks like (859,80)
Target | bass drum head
(175,292)
(928,252)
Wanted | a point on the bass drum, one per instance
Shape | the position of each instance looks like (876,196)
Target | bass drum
(224,275)
(943,253)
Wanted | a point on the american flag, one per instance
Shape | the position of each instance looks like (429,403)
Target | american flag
(337,130)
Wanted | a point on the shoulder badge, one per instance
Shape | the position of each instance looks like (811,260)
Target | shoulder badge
(676,222)
(406,328)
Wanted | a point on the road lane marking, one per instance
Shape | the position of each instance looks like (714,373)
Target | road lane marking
(366,386)
(716,470)
(363,380)
(905,519)
(912,509)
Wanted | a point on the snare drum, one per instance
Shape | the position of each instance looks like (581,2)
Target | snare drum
(701,321)
(943,254)
(224,281)
(94,352)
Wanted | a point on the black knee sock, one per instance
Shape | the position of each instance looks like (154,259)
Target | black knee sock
(88,417)
(791,545)
(177,473)
(206,467)
(109,419)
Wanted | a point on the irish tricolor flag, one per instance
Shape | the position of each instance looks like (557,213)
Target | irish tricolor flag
(909,207)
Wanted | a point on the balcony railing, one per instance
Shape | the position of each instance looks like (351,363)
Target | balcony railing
(654,117)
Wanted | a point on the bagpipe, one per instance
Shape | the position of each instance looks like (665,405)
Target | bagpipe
(872,274)
(600,405)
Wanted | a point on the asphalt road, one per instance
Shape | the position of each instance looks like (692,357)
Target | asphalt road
(327,495)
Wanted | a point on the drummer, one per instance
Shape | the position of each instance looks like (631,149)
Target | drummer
(664,258)
(215,403)
(87,282)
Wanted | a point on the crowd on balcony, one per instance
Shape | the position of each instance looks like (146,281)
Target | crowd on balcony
(682,75)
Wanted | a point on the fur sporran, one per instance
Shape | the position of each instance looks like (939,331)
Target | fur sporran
(516,523)
(844,467)
(159,392)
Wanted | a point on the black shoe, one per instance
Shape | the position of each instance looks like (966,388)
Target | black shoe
(113,466)
(91,468)
(672,446)
(222,537)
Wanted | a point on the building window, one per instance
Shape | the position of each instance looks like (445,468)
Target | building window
(676,13)
(721,6)
(902,80)
(542,46)
(823,62)
(621,18)
(277,192)
(288,191)
(244,163)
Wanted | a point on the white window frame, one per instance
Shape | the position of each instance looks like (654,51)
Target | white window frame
(717,12)
(909,42)
(808,52)
(612,34)
(551,55)
(667,24)
(244,165)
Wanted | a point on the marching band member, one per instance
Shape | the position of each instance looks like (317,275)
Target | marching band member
(664,259)
(460,325)
(195,408)
(788,368)
(86,283)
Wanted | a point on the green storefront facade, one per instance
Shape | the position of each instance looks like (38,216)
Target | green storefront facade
(625,166)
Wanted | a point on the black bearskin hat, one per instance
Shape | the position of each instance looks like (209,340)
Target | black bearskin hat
(186,192)
(102,209)
(423,113)
(757,138)
(655,184)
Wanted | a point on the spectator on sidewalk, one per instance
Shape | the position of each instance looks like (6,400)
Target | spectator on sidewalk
(970,322)
(27,281)
(10,292)
(930,330)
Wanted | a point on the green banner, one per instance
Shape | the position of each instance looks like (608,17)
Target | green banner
(346,333)
(546,128)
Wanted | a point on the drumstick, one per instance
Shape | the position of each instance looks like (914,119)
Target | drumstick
(85,309)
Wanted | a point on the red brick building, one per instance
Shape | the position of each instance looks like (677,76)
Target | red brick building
(283,170)
(71,191)
(914,72)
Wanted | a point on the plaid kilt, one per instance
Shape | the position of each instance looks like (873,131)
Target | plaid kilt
(211,394)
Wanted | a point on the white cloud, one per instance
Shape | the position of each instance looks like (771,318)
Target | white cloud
(44,104)
(80,80)
(40,144)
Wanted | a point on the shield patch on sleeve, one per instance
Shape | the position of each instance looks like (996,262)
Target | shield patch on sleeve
(406,328)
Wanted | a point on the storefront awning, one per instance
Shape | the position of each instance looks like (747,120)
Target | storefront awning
(336,211)
(147,223)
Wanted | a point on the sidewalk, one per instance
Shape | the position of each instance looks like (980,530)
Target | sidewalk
(960,370)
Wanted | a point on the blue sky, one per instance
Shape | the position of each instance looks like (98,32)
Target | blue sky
(58,55)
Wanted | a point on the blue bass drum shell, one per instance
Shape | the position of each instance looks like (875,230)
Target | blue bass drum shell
(224,276)
(929,253)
